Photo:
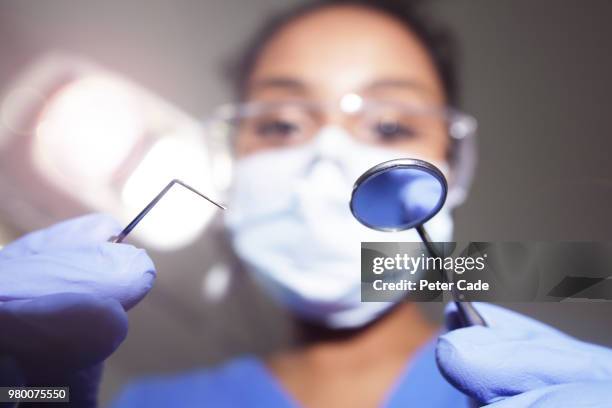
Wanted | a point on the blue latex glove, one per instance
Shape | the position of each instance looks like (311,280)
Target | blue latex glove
(63,295)
(519,362)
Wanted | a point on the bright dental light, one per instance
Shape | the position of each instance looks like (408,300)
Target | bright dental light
(77,138)
(88,129)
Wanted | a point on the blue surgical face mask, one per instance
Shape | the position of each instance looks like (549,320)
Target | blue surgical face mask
(291,224)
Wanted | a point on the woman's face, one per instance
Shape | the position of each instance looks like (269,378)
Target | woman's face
(336,51)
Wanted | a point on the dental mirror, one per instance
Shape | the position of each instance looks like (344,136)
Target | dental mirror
(402,194)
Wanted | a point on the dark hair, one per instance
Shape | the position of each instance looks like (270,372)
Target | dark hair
(437,40)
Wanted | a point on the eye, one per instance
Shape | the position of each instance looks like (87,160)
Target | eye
(276,128)
(391,130)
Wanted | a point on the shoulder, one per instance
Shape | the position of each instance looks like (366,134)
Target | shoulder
(216,387)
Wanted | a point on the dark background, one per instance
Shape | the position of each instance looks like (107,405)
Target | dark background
(535,74)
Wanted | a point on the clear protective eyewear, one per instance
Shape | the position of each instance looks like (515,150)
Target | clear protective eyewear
(264,125)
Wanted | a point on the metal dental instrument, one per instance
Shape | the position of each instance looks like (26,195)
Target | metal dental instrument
(401,194)
(123,234)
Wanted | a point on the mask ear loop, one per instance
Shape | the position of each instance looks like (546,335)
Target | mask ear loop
(123,234)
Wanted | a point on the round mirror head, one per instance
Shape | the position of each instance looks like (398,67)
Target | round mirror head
(398,194)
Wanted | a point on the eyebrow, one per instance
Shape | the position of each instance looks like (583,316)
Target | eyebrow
(396,83)
(294,85)
(280,83)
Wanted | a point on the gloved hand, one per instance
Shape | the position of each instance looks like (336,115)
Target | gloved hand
(519,362)
(63,296)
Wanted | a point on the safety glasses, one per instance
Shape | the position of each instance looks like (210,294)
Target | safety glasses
(416,129)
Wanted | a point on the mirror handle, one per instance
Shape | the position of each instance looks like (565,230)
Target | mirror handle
(468,315)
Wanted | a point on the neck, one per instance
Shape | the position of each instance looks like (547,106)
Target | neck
(392,338)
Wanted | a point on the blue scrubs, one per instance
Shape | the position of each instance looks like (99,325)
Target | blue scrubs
(246,382)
